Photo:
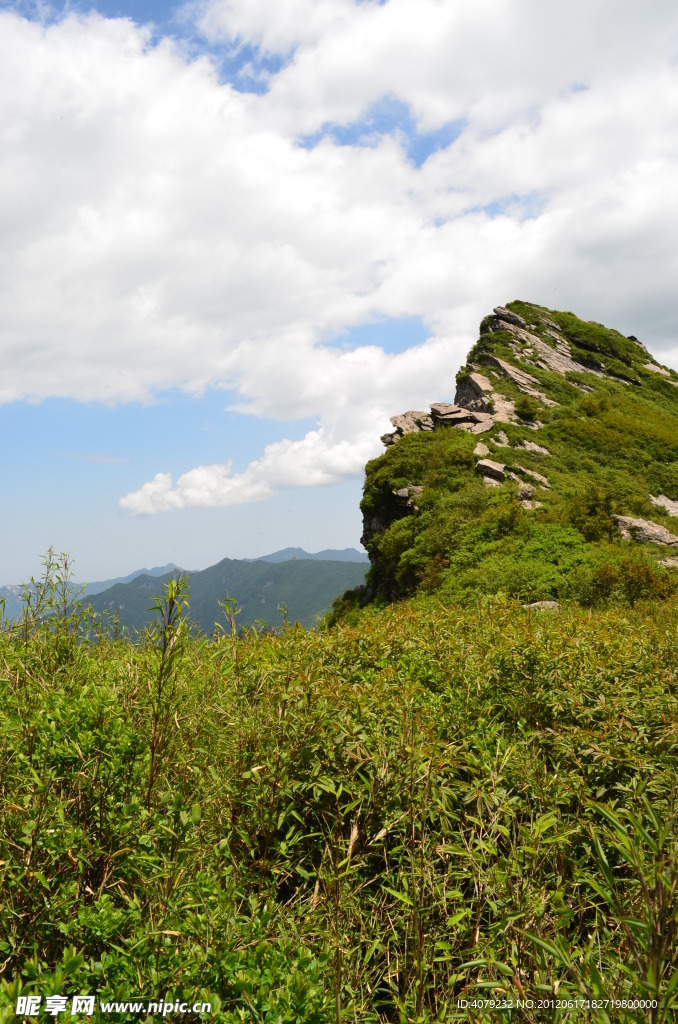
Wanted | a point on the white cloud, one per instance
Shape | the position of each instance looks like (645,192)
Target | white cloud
(163,230)
(312,462)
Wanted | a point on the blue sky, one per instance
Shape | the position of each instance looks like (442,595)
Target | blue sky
(236,244)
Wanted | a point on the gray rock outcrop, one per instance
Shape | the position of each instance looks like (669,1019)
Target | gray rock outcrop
(524,381)
(539,477)
(495,470)
(645,531)
(410,422)
(661,501)
(530,446)
(508,317)
(473,392)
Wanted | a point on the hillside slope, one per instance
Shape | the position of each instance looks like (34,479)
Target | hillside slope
(553,476)
(306,586)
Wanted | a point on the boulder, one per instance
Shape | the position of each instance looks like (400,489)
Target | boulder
(530,446)
(543,606)
(481,449)
(494,470)
(451,415)
(412,421)
(508,317)
(482,423)
(645,531)
(473,392)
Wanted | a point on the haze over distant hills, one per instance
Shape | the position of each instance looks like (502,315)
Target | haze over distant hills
(305,583)
(159,570)
(328,555)
(12,594)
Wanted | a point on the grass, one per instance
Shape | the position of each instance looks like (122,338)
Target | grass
(361,824)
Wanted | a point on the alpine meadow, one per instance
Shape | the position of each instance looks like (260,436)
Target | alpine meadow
(455,798)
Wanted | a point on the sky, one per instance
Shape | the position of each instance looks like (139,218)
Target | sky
(238,235)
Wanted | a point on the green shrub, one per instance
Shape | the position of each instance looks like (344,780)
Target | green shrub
(363,823)
(527,408)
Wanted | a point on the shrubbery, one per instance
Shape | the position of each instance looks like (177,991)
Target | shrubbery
(364,824)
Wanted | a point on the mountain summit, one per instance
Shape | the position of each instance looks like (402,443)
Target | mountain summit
(553,475)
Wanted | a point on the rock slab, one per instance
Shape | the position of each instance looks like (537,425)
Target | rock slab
(645,531)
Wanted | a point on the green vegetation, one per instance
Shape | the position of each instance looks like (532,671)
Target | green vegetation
(361,824)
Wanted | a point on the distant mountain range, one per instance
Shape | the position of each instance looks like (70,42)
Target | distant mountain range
(305,583)
(13,594)
(328,555)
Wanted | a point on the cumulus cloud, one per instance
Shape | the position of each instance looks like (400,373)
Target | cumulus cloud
(314,461)
(163,229)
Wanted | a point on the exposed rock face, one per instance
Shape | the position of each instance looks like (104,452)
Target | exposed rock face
(528,348)
(654,368)
(559,358)
(525,381)
(473,392)
(663,502)
(511,318)
(645,531)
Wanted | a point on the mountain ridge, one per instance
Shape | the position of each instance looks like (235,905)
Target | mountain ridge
(326,555)
(319,587)
(303,588)
(553,475)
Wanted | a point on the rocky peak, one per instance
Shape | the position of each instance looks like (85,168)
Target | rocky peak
(575,468)
(497,372)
